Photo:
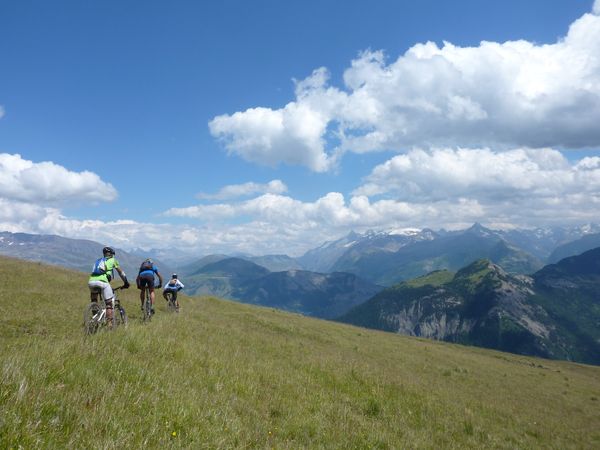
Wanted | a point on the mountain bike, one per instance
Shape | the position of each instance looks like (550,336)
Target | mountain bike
(147,308)
(94,316)
(171,302)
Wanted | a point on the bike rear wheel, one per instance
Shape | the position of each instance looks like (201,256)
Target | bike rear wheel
(171,305)
(147,312)
(92,318)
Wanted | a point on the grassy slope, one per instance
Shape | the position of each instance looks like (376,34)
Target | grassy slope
(228,375)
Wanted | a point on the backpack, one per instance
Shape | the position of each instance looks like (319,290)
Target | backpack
(146,265)
(99,267)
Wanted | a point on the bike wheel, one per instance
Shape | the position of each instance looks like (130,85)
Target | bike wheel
(172,307)
(147,314)
(91,318)
(120,317)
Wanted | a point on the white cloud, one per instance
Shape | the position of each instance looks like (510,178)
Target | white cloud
(435,188)
(520,187)
(2,111)
(596,7)
(482,174)
(48,183)
(18,216)
(515,93)
(246,189)
(293,134)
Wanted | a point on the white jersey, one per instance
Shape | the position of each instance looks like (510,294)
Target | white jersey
(174,284)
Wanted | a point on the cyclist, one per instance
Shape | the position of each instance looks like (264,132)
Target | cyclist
(102,274)
(172,287)
(145,280)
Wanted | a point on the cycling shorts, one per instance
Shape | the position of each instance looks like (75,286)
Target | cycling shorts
(145,280)
(103,287)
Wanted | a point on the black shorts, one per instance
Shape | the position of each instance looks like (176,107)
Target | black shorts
(145,281)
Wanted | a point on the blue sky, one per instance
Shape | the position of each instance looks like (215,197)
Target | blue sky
(270,126)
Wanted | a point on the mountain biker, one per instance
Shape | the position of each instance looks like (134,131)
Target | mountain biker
(102,274)
(172,287)
(145,280)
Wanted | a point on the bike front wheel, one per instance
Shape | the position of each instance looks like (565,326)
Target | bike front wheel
(120,317)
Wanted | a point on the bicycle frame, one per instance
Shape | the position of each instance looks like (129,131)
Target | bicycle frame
(99,319)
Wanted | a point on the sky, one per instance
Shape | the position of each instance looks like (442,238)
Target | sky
(270,127)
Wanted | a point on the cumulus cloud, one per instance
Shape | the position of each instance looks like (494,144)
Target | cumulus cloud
(515,93)
(333,214)
(596,7)
(437,188)
(246,189)
(293,134)
(49,183)
(421,189)
(482,174)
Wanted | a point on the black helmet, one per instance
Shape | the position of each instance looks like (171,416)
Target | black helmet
(174,276)
(108,251)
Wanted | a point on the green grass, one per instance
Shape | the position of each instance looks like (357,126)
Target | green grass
(228,375)
(436,278)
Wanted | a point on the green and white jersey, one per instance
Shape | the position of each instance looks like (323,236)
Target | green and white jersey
(110,264)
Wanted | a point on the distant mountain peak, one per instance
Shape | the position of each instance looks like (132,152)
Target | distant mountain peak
(352,235)
(480,230)
(480,270)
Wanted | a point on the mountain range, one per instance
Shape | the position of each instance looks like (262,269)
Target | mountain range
(554,313)
(576,247)
(428,251)
(388,257)
(475,286)
(310,293)
(78,254)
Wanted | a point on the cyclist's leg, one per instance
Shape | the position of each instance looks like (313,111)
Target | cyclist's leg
(146,282)
(151,289)
(108,295)
(95,290)
(140,285)
(175,299)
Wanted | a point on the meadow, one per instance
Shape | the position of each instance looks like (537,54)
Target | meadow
(223,375)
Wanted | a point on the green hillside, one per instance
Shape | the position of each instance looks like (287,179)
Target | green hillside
(228,375)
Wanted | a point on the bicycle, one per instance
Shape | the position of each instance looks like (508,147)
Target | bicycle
(171,302)
(94,316)
(147,308)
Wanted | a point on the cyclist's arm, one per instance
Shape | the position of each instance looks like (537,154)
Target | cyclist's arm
(160,278)
(121,273)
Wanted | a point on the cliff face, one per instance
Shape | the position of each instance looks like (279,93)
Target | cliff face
(483,305)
